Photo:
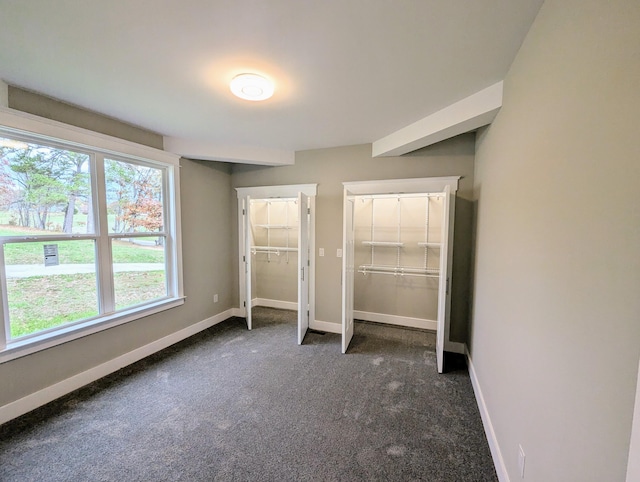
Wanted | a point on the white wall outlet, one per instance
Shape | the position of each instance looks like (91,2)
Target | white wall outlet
(215,298)
(321,252)
(339,253)
(521,457)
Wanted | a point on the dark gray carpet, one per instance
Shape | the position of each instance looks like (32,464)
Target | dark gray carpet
(229,404)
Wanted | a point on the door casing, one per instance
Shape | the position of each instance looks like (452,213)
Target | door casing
(266,192)
(446,185)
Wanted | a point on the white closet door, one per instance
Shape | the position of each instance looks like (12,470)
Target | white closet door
(303,266)
(248,242)
(444,281)
(347,272)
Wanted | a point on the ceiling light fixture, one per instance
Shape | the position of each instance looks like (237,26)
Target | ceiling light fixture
(251,87)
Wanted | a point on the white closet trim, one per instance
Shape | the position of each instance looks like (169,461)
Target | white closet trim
(265,192)
(273,194)
(403,186)
(448,186)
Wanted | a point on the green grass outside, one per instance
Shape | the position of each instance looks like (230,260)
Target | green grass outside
(42,302)
(75,252)
(39,303)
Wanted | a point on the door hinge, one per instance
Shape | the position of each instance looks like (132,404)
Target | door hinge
(244,304)
(243,212)
(447,290)
(308,210)
(244,259)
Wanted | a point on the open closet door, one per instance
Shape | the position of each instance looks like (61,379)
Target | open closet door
(443,289)
(248,243)
(303,266)
(347,272)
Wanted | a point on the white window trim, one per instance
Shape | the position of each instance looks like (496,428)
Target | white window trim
(30,124)
(21,123)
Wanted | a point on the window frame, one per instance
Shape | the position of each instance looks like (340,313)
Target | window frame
(27,127)
(112,236)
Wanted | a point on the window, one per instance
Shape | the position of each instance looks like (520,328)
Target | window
(89,237)
(135,209)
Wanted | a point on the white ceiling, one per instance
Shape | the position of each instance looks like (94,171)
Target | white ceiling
(346,71)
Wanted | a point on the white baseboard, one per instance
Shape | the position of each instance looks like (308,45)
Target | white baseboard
(238,312)
(431,325)
(46,395)
(325,326)
(319,325)
(281,305)
(329,327)
(396,320)
(496,453)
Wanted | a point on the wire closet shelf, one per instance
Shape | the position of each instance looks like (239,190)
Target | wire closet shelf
(428,245)
(268,226)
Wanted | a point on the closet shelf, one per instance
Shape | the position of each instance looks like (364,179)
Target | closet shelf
(398,270)
(271,249)
(383,243)
(430,245)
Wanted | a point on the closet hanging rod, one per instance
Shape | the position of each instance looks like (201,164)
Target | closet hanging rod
(420,275)
(274,226)
(383,243)
(271,249)
(430,245)
(397,270)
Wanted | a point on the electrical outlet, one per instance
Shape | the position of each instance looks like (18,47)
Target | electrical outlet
(521,458)
(321,252)
(339,253)
(215,298)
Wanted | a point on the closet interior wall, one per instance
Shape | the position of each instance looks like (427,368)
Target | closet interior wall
(397,256)
(274,226)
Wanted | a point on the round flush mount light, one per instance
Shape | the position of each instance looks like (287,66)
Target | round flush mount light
(251,87)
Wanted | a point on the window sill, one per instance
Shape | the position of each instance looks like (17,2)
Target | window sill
(22,347)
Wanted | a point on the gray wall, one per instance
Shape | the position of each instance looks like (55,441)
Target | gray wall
(331,167)
(207,259)
(556,325)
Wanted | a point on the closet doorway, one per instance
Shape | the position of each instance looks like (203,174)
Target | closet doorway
(397,255)
(276,233)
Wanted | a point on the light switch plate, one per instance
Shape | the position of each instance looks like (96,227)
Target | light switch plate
(339,253)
